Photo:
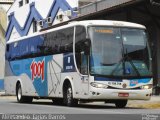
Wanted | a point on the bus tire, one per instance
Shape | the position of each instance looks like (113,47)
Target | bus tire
(121,103)
(68,97)
(28,99)
(57,101)
(20,97)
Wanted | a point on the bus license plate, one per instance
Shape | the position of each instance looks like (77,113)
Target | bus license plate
(123,94)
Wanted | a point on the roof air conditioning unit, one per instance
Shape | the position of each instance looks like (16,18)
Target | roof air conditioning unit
(76,10)
(68,13)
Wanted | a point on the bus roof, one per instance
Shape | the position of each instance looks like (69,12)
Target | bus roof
(109,23)
(83,23)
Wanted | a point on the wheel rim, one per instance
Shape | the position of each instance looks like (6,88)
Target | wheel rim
(19,93)
(69,95)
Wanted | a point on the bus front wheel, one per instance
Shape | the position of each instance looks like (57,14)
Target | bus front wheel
(20,97)
(68,97)
(57,101)
(121,103)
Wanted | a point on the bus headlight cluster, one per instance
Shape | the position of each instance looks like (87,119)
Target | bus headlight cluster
(98,85)
(146,86)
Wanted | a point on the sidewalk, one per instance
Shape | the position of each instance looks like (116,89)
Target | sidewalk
(2,93)
(153,103)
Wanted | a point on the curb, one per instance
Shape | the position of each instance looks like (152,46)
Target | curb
(2,94)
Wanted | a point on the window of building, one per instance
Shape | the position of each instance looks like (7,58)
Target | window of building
(26,1)
(21,3)
(34,26)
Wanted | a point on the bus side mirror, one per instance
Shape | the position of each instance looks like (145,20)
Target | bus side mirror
(87,45)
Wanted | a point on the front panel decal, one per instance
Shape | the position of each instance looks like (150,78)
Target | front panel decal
(138,81)
(124,83)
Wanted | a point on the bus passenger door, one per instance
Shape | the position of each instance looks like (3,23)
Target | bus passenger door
(81,59)
(82,65)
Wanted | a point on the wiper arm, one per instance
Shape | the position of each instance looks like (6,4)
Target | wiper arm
(130,61)
(119,63)
(123,60)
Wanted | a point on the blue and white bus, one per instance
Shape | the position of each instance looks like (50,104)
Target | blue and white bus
(82,61)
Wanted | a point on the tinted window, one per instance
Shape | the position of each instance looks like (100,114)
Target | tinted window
(59,41)
(51,43)
(81,58)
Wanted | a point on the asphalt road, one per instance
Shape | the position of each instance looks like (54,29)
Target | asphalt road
(94,111)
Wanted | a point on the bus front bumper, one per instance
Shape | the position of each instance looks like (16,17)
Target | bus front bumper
(99,93)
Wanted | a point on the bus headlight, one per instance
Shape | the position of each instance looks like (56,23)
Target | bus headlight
(146,86)
(98,85)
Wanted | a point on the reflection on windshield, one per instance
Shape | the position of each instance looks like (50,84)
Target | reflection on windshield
(119,52)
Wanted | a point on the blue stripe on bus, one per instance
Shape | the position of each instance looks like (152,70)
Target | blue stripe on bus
(20,67)
(1,84)
(106,79)
(134,82)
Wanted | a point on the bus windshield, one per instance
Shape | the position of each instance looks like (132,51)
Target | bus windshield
(119,52)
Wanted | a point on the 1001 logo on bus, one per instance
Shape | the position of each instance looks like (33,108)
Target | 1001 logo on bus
(37,69)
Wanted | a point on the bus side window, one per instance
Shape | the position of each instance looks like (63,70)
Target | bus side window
(66,38)
(8,52)
(83,63)
(60,41)
(7,48)
(15,51)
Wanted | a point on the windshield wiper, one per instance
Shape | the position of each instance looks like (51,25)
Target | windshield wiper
(119,63)
(132,64)
(117,66)
(123,60)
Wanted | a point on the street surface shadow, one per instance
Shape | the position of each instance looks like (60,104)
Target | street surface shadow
(85,106)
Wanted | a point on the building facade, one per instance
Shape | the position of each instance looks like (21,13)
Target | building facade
(4,6)
(29,16)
